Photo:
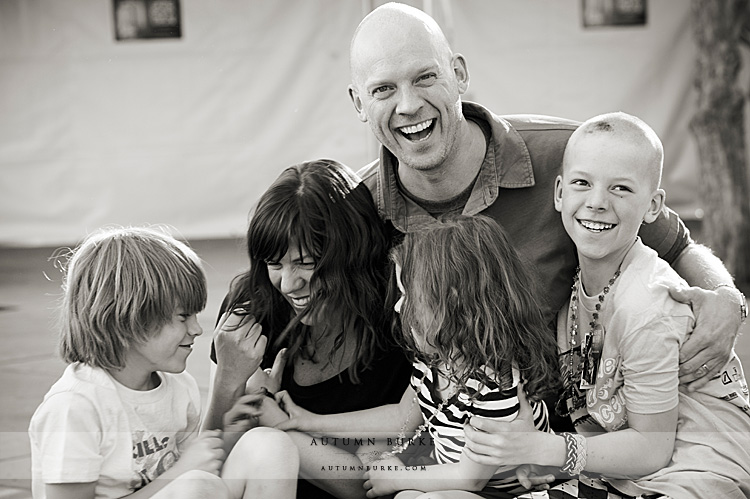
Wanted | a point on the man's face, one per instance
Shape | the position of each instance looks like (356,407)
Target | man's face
(408,90)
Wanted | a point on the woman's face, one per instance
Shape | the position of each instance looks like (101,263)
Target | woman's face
(291,276)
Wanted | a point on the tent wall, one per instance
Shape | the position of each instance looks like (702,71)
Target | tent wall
(189,132)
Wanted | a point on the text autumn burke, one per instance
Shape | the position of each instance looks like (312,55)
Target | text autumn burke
(361,442)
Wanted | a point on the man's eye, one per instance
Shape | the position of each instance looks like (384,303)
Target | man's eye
(381,91)
(428,77)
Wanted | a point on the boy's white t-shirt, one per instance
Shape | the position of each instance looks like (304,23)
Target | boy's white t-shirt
(91,428)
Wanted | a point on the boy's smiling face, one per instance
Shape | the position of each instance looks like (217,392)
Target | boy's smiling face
(609,186)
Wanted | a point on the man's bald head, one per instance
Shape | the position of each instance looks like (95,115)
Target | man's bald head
(627,129)
(391,27)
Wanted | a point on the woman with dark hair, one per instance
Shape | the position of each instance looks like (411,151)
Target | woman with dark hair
(315,296)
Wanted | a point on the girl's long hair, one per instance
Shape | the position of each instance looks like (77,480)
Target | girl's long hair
(321,207)
(473,300)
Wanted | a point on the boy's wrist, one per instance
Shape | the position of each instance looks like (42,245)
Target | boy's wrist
(554,452)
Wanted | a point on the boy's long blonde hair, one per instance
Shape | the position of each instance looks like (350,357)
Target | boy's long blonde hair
(120,286)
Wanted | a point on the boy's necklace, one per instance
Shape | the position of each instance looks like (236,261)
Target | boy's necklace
(590,347)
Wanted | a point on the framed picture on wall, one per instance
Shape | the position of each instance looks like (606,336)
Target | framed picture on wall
(139,19)
(614,13)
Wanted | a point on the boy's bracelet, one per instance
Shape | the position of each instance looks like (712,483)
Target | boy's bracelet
(743,301)
(575,452)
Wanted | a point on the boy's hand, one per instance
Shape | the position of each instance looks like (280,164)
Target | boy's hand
(239,346)
(709,346)
(244,413)
(204,453)
(272,415)
(499,443)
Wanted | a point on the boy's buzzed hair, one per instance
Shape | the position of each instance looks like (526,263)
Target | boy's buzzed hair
(120,286)
(627,127)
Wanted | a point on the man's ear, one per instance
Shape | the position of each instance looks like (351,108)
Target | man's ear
(657,203)
(461,70)
(357,101)
(558,193)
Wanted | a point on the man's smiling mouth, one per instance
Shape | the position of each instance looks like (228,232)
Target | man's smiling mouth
(596,226)
(418,132)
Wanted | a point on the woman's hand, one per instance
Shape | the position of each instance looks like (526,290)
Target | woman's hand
(272,415)
(299,418)
(270,379)
(239,346)
(251,410)
(387,476)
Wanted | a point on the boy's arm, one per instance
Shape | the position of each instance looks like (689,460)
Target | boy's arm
(643,448)
(716,303)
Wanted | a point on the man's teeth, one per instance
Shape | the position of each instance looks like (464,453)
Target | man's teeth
(416,128)
(597,226)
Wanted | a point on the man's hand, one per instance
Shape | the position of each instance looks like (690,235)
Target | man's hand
(717,320)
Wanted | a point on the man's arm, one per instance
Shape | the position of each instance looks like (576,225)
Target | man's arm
(717,306)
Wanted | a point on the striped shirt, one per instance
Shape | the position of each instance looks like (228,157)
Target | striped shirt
(490,401)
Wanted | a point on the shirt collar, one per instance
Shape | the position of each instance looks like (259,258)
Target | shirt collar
(506,164)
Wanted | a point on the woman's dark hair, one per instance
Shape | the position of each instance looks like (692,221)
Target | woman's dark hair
(469,296)
(321,207)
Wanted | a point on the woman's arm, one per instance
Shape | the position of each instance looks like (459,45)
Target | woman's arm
(379,422)
(389,476)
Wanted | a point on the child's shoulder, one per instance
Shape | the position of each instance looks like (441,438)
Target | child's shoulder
(643,286)
(78,396)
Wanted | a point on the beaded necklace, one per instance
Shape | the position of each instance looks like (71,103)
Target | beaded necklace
(590,349)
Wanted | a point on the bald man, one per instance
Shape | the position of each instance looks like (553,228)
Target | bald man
(441,155)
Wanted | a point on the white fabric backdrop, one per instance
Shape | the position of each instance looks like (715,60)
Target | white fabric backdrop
(190,132)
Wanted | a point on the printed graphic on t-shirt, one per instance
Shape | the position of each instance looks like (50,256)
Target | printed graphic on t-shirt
(153,454)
